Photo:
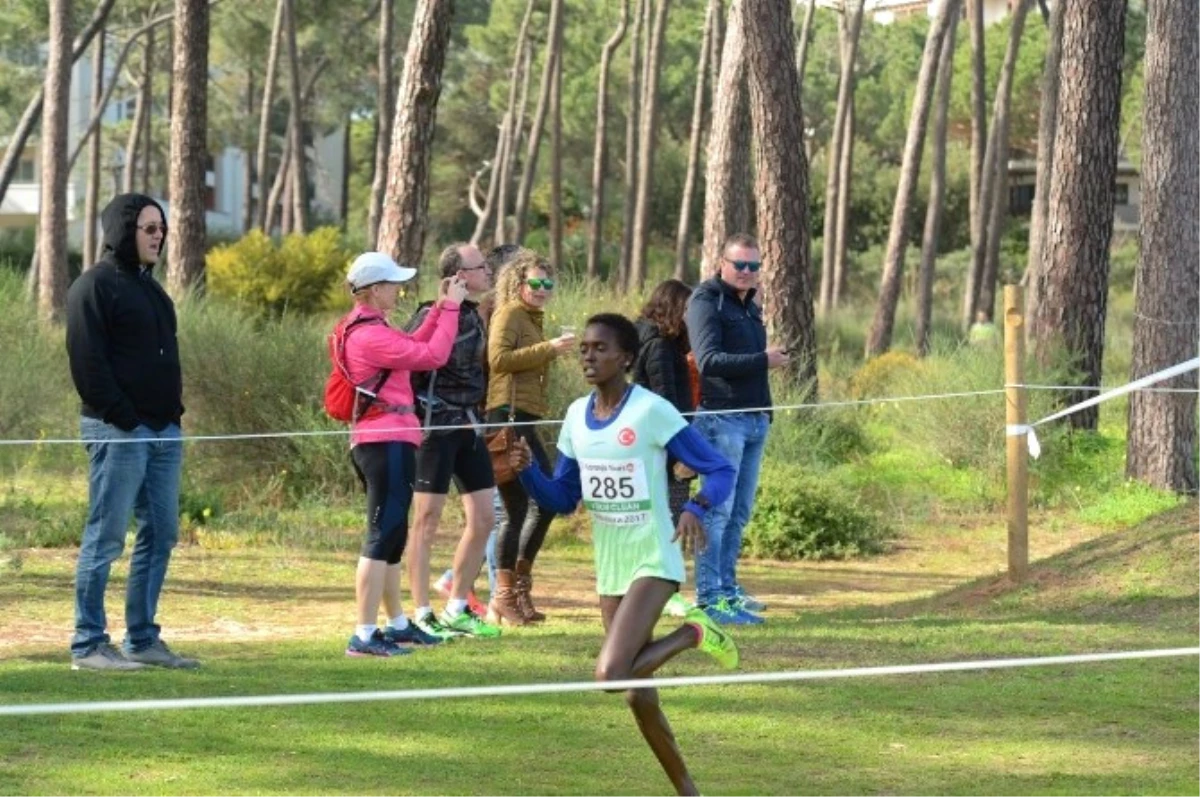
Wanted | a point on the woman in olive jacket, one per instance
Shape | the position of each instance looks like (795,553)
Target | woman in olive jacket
(519,358)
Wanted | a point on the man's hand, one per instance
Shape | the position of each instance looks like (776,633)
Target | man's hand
(690,531)
(453,290)
(777,357)
(519,455)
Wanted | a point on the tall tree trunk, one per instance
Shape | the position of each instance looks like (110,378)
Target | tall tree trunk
(994,197)
(189,148)
(1162,426)
(33,111)
(91,205)
(1074,270)
(633,127)
(344,181)
(52,217)
(805,35)
(298,166)
(937,192)
(978,152)
(134,148)
(841,230)
(489,209)
(1047,126)
(728,165)
(525,189)
(275,196)
(646,143)
(406,204)
(384,112)
(147,142)
(522,60)
(248,165)
(556,214)
(880,338)
(684,233)
(287,205)
(782,184)
(264,121)
(600,156)
(850,28)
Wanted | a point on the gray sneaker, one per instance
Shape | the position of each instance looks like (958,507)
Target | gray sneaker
(104,657)
(159,655)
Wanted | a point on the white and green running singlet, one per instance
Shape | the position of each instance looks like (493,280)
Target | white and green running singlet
(623,473)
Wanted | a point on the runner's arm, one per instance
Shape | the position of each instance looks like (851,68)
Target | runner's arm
(689,447)
(560,493)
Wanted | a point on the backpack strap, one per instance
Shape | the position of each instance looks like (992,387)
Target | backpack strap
(359,391)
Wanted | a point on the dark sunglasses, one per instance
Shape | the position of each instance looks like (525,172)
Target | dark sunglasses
(152,229)
(742,265)
(546,283)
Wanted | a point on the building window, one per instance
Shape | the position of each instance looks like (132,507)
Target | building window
(1122,192)
(1020,200)
(25,172)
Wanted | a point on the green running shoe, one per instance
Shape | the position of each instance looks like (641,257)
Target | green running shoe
(431,625)
(713,640)
(467,623)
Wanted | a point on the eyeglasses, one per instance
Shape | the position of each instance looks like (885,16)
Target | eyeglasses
(545,282)
(742,265)
(475,268)
(152,229)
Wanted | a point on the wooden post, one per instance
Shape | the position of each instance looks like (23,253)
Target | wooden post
(1015,417)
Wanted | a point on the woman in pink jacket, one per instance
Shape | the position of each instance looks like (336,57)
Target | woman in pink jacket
(385,435)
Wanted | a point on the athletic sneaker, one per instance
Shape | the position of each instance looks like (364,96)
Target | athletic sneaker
(720,612)
(713,640)
(468,623)
(104,657)
(677,606)
(159,655)
(738,615)
(375,646)
(432,626)
(744,600)
(442,587)
(410,635)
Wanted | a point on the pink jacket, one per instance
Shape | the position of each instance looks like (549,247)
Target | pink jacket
(371,348)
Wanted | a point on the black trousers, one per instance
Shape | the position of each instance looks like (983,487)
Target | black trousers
(524,527)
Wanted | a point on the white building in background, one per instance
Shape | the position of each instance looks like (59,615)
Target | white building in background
(887,11)
(224,175)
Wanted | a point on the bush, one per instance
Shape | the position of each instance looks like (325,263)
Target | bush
(298,275)
(877,376)
(799,516)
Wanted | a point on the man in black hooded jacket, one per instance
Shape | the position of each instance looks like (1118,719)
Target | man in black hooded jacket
(124,356)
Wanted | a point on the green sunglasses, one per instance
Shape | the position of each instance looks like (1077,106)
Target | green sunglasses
(535,284)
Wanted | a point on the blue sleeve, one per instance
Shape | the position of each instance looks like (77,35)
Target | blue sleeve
(690,448)
(704,333)
(560,493)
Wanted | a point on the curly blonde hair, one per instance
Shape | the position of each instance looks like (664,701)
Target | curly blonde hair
(513,274)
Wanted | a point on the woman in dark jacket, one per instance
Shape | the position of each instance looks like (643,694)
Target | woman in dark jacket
(662,367)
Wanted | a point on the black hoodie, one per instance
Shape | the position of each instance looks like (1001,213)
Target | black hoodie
(121,333)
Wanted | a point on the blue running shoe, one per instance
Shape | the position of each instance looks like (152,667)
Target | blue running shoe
(375,646)
(411,634)
(719,613)
(744,600)
(738,615)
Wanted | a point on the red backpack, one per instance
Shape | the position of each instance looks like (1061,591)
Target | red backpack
(344,400)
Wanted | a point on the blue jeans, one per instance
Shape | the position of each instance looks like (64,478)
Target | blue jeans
(740,438)
(141,479)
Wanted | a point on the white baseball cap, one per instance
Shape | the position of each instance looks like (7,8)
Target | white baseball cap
(372,267)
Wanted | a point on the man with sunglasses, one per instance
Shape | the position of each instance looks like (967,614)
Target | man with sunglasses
(727,335)
(124,357)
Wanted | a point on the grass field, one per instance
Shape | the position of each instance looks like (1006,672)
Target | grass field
(273,619)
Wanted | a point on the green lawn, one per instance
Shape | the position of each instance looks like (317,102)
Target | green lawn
(273,620)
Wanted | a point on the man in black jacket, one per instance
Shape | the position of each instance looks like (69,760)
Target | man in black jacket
(728,338)
(124,356)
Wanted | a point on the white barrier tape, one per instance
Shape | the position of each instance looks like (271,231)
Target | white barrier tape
(1095,389)
(453,427)
(90,707)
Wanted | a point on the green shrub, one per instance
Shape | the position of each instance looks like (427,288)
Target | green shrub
(801,516)
(298,275)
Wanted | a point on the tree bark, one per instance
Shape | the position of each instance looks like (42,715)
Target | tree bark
(248,166)
(937,192)
(556,145)
(488,212)
(33,111)
(1074,272)
(134,145)
(727,170)
(842,222)
(264,121)
(406,204)
(600,156)
(189,148)
(511,132)
(994,198)
(1162,426)
(383,115)
(296,112)
(91,205)
(782,184)
(1047,126)
(276,196)
(880,338)
(52,217)
(646,143)
(684,233)
(805,35)
(978,152)
(633,128)
(525,189)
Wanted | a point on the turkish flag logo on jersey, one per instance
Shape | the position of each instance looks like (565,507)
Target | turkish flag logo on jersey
(626,437)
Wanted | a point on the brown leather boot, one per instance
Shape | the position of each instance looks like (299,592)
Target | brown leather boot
(524,587)
(503,608)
